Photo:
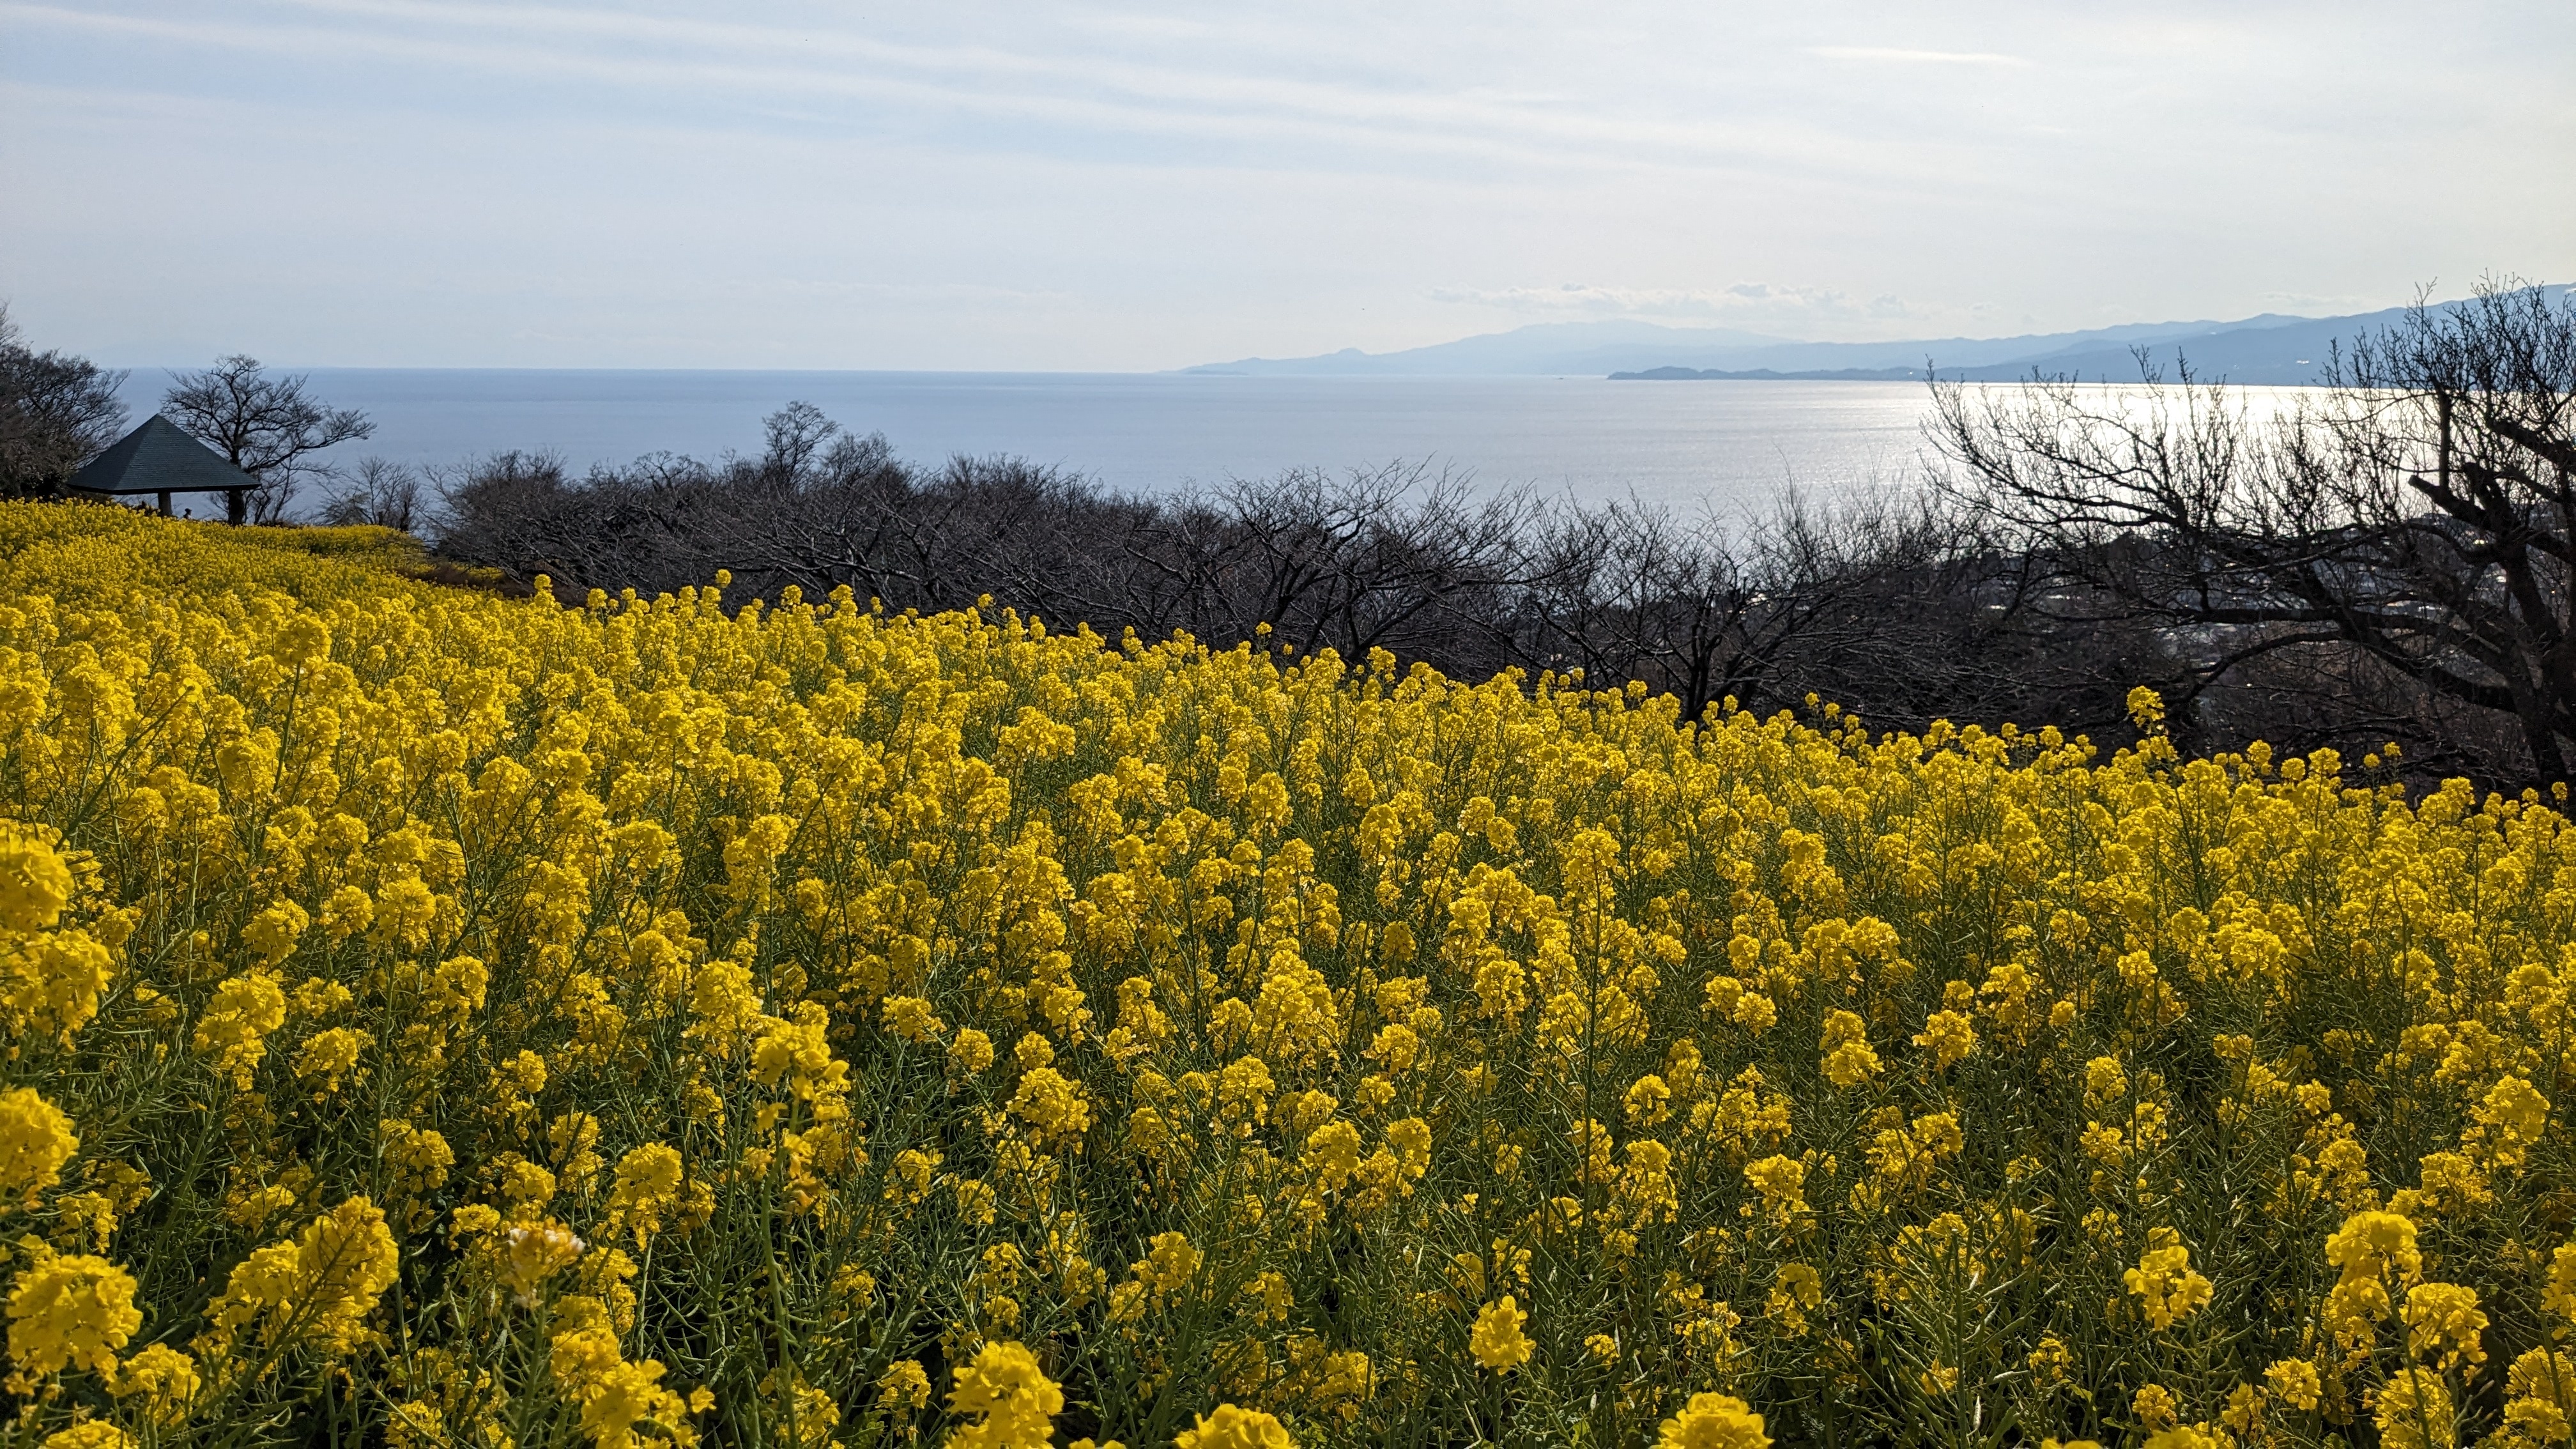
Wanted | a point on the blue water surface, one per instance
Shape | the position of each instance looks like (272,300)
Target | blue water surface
(1724,446)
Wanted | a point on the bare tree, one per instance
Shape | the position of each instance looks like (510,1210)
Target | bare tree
(56,413)
(266,426)
(1367,559)
(381,492)
(2418,514)
(521,511)
(1885,600)
(794,434)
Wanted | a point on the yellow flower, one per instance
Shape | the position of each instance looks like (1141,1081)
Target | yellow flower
(166,1380)
(2146,710)
(1234,1428)
(2444,1324)
(525,1184)
(2353,1310)
(2375,1245)
(1051,1106)
(911,1018)
(530,1255)
(1015,1401)
(1170,1265)
(647,1184)
(1713,1421)
(1848,1059)
(2294,1381)
(2414,1411)
(331,1055)
(416,1160)
(2105,1082)
(234,1030)
(2243,1415)
(616,1397)
(1648,1101)
(67,1311)
(2541,1388)
(303,639)
(971,1052)
(2514,1115)
(318,1289)
(95,1434)
(1334,1150)
(629,1394)
(52,982)
(2153,1406)
(1939,1135)
(794,1050)
(273,932)
(35,883)
(1797,1289)
(2558,1291)
(1948,1036)
(2165,1280)
(1781,1181)
(804,1414)
(1497,1340)
(36,1139)
(1229,956)
(903,1385)
(2188,1436)
(581,1358)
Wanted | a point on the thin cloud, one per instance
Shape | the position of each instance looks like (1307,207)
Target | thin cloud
(1176,103)
(1900,56)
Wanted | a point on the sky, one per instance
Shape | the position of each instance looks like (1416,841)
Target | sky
(1047,185)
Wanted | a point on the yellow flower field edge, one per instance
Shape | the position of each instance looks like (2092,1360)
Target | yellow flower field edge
(438,1019)
(86,554)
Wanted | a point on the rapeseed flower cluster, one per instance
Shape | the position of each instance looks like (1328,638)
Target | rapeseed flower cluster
(447,1019)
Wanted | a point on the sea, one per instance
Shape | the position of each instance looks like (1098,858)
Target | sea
(1714,447)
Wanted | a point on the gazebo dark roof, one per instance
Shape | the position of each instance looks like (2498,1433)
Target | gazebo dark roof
(158,458)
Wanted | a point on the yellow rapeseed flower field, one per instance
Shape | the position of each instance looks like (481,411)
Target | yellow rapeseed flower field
(442,1019)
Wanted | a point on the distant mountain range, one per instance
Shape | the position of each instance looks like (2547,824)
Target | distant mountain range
(2269,349)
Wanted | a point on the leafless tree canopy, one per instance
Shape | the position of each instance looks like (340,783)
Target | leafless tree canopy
(56,413)
(266,426)
(2390,560)
(378,491)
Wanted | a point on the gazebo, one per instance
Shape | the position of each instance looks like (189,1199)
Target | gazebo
(157,458)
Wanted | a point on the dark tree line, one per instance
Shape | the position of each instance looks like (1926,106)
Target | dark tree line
(1878,601)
